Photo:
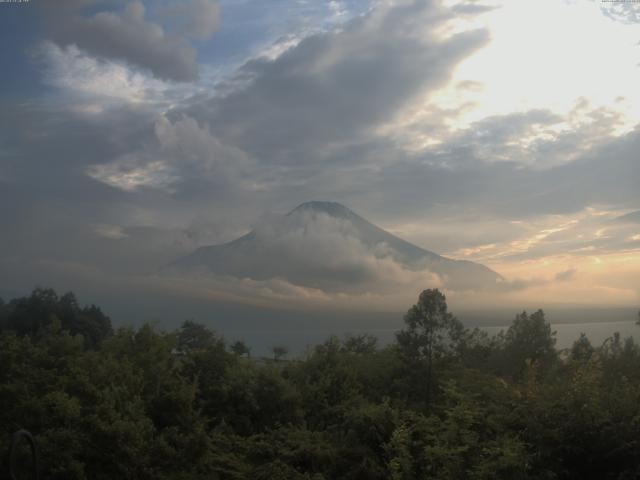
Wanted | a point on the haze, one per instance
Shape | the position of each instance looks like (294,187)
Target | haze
(503,133)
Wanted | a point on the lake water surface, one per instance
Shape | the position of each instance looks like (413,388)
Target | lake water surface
(300,341)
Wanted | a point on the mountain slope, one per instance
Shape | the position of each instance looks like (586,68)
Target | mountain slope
(325,245)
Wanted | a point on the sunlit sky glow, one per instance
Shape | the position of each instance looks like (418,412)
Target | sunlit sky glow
(502,132)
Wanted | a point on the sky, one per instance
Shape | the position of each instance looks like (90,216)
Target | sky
(500,132)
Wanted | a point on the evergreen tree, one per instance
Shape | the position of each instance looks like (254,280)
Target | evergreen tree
(431,332)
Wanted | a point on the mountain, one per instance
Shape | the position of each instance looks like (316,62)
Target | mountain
(326,245)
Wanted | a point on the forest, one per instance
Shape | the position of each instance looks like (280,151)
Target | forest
(441,402)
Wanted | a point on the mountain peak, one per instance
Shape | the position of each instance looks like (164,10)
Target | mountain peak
(333,209)
(350,253)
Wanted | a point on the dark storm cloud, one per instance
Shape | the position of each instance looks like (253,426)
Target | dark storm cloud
(128,35)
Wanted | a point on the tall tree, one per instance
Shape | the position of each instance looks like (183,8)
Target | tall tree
(194,336)
(240,348)
(529,339)
(582,349)
(279,352)
(431,332)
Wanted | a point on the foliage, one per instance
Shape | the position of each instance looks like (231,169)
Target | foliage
(44,309)
(140,403)
(279,352)
(528,341)
(240,348)
(431,334)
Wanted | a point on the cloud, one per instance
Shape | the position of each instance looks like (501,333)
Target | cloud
(333,88)
(197,19)
(114,232)
(633,217)
(127,35)
(565,276)
(472,8)
(181,151)
(96,81)
(622,11)
(538,138)
(588,233)
(130,173)
(313,250)
(121,187)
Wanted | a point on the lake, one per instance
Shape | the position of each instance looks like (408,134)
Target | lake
(298,341)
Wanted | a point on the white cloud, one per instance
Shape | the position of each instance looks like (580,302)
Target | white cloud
(557,57)
(548,54)
(98,81)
